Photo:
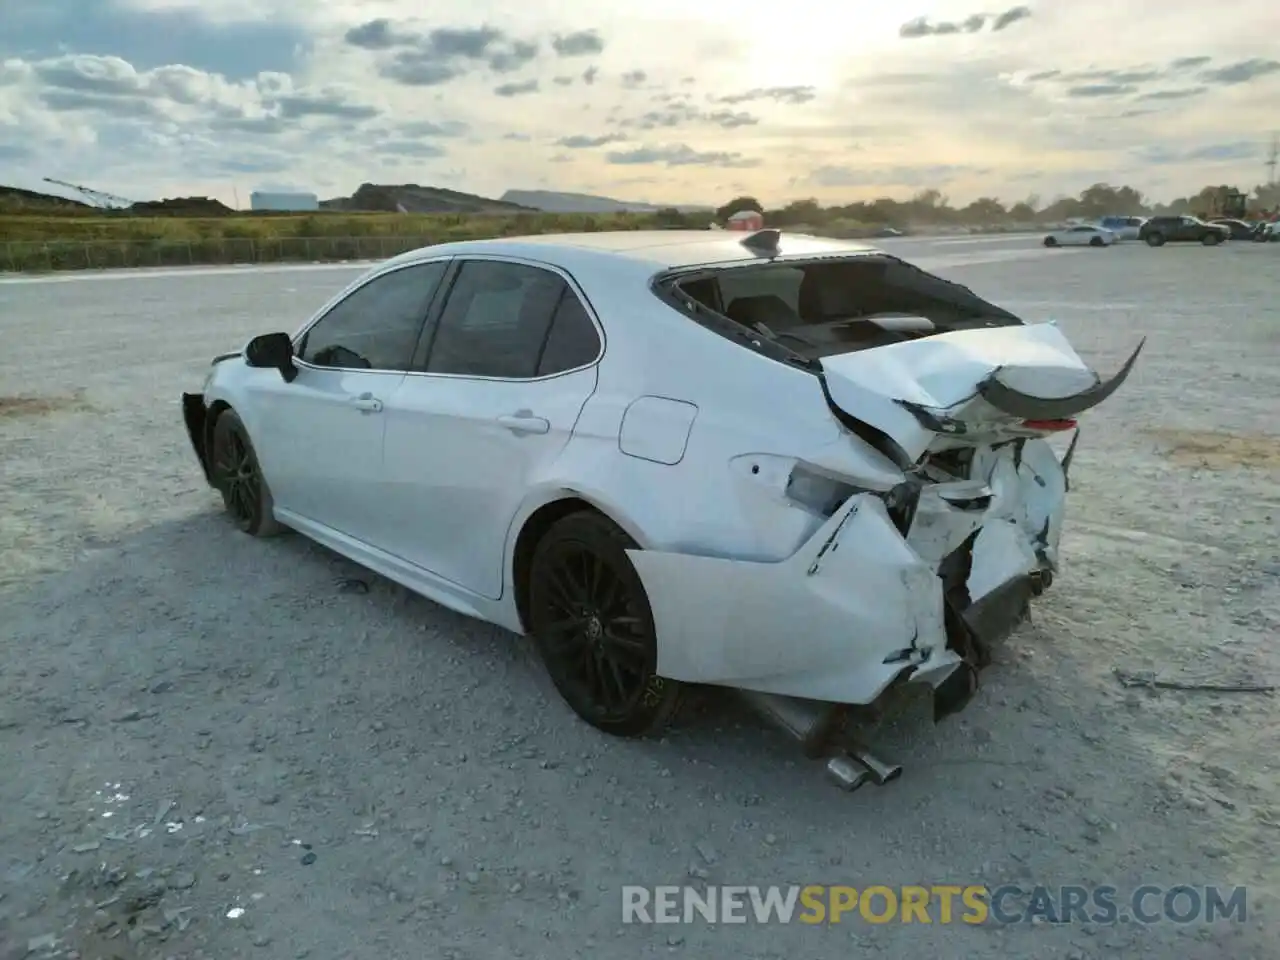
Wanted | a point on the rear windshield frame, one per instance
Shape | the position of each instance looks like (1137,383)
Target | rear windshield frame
(667,287)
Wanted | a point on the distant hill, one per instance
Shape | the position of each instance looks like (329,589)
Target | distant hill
(13,198)
(412,198)
(549,201)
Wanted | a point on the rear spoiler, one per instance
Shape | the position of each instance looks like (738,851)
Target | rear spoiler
(1026,407)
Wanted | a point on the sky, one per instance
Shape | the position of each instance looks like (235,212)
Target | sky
(665,102)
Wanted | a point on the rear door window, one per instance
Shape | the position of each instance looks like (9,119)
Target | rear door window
(496,320)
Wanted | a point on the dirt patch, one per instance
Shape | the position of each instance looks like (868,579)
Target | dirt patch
(1208,448)
(39,406)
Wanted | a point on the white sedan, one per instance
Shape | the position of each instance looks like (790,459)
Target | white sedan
(1080,236)
(797,467)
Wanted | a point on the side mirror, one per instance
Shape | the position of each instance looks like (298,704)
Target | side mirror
(272,350)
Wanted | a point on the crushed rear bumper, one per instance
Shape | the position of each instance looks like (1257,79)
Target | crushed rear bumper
(854,613)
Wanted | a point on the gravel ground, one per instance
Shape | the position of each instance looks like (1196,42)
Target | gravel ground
(212,750)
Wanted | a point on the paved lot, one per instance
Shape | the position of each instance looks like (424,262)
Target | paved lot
(210,750)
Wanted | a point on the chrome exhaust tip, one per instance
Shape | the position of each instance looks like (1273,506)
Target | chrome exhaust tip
(880,771)
(1041,580)
(847,773)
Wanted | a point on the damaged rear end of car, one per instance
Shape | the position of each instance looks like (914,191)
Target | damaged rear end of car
(910,582)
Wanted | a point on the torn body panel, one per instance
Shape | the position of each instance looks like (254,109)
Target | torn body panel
(829,623)
(863,604)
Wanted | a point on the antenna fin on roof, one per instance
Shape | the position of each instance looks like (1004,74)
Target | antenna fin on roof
(763,240)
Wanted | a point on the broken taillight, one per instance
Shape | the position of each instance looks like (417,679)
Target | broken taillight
(1048,426)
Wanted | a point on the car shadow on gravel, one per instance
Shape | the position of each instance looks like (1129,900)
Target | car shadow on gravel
(274,712)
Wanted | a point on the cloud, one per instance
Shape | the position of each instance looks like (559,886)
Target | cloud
(111,85)
(377,34)
(788,95)
(1209,153)
(974,23)
(1009,18)
(517,89)
(633,79)
(582,142)
(1242,72)
(1184,93)
(678,112)
(1127,81)
(680,155)
(732,119)
(428,58)
(928,175)
(589,75)
(153,36)
(580,44)
(1102,90)
(418,149)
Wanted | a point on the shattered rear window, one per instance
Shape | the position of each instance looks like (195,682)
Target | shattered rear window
(819,308)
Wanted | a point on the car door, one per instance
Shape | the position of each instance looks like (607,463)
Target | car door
(508,363)
(320,436)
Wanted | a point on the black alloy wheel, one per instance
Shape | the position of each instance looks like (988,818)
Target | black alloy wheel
(1050,242)
(238,478)
(1211,239)
(1095,242)
(591,621)
(1155,239)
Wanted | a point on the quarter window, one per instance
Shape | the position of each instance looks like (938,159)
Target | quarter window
(573,341)
(512,321)
(377,326)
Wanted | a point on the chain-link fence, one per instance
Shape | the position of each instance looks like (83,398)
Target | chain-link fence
(37,255)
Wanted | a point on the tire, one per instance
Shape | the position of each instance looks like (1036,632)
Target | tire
(1050,242)
(1211,239)
(237,476)
(1096,242)
(593,627)
(1155,239)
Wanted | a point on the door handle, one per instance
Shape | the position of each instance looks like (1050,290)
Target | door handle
(524,421)
(367,403)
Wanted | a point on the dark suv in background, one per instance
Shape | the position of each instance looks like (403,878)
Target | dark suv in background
(1161,230)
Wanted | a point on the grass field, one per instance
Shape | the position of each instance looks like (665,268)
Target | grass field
(80,240)
(87,242)
(273,227)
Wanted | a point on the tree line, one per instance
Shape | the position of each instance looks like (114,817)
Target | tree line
(933,207)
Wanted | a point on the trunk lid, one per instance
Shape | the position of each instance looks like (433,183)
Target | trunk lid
(967,387)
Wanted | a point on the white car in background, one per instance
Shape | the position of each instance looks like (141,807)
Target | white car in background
(1085,235)
(797,467)
(1125,228)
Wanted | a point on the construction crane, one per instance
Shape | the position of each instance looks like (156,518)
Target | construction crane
(96,197)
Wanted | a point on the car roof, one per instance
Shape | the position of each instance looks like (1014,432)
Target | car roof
(651,249)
